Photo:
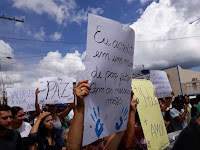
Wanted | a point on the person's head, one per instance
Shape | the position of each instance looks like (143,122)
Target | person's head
(187,99)
(18,116)
(178,103)
(5,117)
(61,107)
(47,123)
(52,108)
(198,98)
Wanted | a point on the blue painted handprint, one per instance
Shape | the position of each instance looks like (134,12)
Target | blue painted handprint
(122,118)
(96,119)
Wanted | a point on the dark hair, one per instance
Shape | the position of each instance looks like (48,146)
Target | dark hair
(4,108)
(15,110)
(42,132)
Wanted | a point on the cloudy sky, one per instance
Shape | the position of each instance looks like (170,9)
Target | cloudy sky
(52,39)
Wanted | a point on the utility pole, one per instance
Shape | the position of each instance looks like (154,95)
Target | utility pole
(12,19)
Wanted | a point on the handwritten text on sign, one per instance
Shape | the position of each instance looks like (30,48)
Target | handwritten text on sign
(55,90)
(161,83)
(109,63)
(22,97)
(150,115)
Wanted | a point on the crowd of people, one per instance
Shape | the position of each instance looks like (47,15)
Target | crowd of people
(51,128)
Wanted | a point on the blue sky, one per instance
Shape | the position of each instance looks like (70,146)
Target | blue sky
(52,39)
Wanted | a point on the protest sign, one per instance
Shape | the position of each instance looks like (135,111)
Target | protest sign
(109,64)
(54,90)
(150,115)
(161,83)
(22,97)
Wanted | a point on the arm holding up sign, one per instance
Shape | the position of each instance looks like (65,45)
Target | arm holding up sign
(167,103)
(127,140)
(37,107)
(76,128)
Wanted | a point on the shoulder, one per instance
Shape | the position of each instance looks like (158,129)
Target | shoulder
(26,124)
(13,134)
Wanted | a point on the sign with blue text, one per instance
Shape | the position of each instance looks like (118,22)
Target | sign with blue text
(109,66)
(22,97)
(161,83)
(55,90)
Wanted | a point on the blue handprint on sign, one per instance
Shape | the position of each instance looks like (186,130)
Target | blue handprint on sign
(96,119)
(122,118)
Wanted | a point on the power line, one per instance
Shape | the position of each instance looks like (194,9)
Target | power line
(42,41)
(84,42)
(170,39)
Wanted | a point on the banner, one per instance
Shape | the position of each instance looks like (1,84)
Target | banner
(150,115)
(161,83)
(109,66)
(55,90)
(22,97)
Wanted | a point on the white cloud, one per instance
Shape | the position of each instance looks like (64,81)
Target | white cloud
(54,64)
(62,11)
(163,21)
(144,1)
(82,15)
(190,8)
(40,35)
(5,50)
(56,36)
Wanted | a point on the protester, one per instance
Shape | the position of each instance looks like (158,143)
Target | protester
(198,105)
(44,135)
(127,141)
(57,117)
(189,137)
(52,110)
(18,123)
(189,107)
(194,108)
(178,114)
(9,139)
(165,104)
(75,135)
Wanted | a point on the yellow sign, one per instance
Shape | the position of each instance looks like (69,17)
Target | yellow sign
(150,115)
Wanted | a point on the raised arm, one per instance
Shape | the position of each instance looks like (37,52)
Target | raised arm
(182,117)
(128,138)
(64,113)
(167,103)
(36,125)
(76,128)
(114,141)
(33,116)
(37,107)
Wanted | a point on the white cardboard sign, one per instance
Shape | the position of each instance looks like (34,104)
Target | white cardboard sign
(22,97)
(161,83)
(54,90)
(109,66)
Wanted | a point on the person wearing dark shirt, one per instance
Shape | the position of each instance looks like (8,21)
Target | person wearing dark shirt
(9,139)
(189,137)
(43,133)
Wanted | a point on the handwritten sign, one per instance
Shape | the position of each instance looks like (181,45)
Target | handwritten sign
(161,83)
(22,97)
(109,64)
(55,90)
(150,115)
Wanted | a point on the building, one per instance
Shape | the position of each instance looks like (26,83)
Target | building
(182,81)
